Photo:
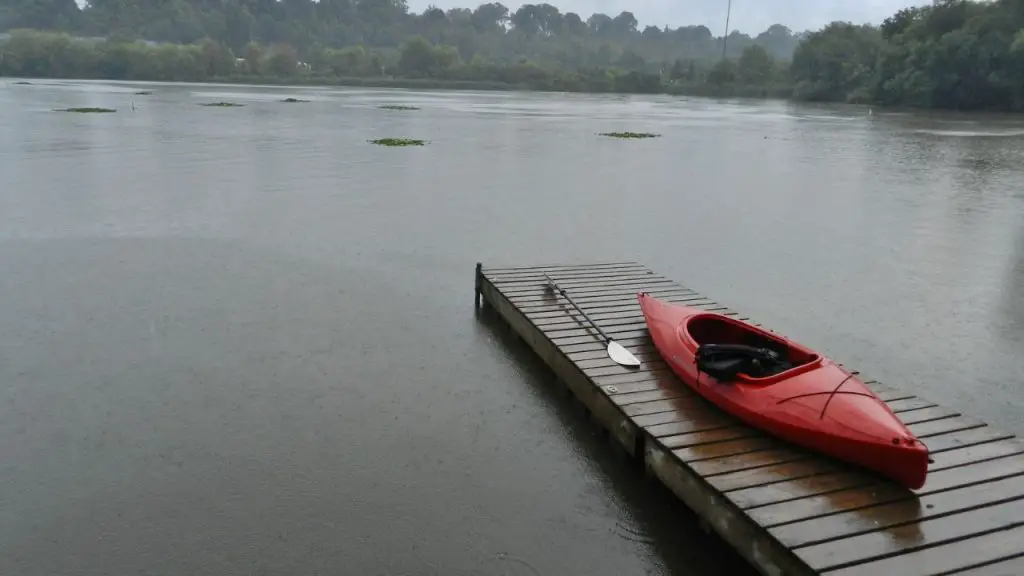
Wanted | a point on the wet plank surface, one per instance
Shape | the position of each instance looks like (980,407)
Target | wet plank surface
(790,509)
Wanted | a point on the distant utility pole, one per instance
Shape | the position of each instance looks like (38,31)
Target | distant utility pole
(725,39)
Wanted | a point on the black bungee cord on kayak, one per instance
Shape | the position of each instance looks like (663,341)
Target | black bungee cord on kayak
(835,391)
(833,394)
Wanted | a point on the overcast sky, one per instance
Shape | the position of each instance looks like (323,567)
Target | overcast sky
(749,16)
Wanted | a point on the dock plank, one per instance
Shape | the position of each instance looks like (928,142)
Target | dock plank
(903,511)
(568,276)
(669,424)
(566,273)
(911,536)
(496,274)
(543,303)
(944,559)
(767,453)
(713,442)
(785,509)
(623,285)
(603,304)
(650,396)
(707,431)
(834,482)
(808,498)
(606,293)
(710,460)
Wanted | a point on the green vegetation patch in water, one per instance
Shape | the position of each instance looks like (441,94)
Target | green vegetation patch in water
(222,105)
(397,142)
(396,107)
(86,110)
(629,134)
(293,101)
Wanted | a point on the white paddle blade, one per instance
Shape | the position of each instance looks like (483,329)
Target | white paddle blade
(620,355)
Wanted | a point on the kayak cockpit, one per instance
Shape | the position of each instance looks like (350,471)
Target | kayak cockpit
(728,349)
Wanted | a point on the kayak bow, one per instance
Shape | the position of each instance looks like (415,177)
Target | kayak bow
(784,388)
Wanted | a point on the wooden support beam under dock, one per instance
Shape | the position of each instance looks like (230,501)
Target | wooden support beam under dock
(784,509)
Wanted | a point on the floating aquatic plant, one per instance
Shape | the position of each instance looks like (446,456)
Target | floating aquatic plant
(397,142)
(629,134)
(397,107)
(86,110)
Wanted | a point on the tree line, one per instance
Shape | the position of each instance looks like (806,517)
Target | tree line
(953,54)
(950,54)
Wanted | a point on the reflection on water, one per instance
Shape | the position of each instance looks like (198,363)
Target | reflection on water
(1013,293)
(242,339)
(661,520)
(1010,324)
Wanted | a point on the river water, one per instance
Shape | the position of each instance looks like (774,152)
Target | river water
(242,340)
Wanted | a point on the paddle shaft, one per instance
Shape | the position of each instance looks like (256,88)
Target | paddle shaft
(578,309)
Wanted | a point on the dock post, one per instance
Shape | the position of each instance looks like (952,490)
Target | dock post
(476,284)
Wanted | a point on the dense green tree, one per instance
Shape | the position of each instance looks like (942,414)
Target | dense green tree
(755,66)
(955,54)
(835,63)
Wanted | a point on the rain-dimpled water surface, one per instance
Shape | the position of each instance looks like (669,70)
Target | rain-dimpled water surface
(241,341)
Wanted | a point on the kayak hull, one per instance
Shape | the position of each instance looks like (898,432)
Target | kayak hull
(808,400)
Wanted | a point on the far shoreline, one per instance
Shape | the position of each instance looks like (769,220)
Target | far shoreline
(698,91)
(701,91)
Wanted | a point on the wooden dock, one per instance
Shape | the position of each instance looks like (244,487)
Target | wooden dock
(785,510)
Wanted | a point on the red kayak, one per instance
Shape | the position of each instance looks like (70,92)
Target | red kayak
(784,388)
